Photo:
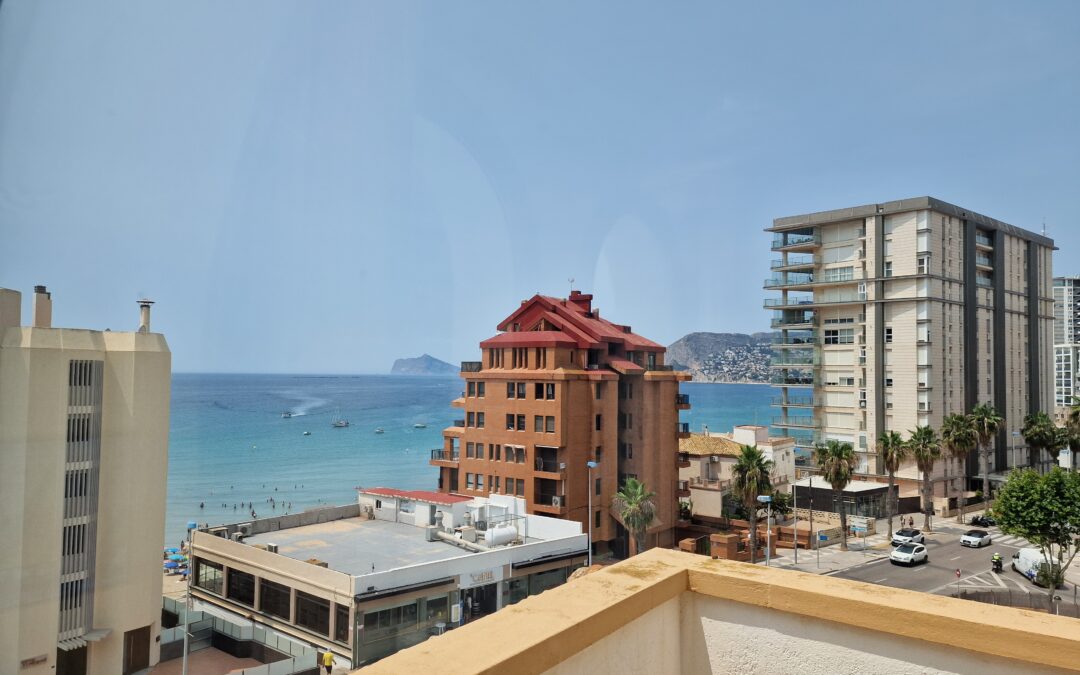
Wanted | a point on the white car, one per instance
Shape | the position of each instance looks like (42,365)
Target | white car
(908,535)
(909,554)
(975,538)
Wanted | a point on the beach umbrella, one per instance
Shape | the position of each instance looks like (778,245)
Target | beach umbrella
(177,557)
(172,549)
(171,565)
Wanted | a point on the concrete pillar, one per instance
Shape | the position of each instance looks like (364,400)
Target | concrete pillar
(10,308)
(42,308)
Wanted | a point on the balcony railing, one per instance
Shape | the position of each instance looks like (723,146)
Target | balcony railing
(807,338)
(459,423)
(682,399)
(794,380)
(551,500)
(682,427)
(983,239)
(808,421)
(789,301)
(795,401)
(787,239)
(984,260)
(709,483)
(795,261)
(549,465)
(471,366)
(793,359)
(659,368)
(440,455)
(789,279)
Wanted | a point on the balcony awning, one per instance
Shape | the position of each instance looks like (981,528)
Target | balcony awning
(625,366)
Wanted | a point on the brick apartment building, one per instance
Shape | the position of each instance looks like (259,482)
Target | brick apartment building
(559,387)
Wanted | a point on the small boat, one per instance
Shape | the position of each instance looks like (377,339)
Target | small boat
(340,424)
(286,415)
(379,430)
(307,433)
(419,425)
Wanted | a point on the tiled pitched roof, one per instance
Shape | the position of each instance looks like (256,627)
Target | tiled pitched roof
(700,445)
(586,327)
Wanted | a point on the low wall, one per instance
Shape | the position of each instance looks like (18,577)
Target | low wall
(833,519)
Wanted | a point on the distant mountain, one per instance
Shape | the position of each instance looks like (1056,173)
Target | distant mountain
(723,357)
(423,365)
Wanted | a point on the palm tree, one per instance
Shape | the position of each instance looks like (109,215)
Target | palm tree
(958,438)
(987,422)
(837,463)
(634,504)
(750,478)
(926,449)
(1040,434)
(893,451)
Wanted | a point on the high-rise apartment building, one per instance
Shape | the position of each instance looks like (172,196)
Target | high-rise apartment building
(1066,343)
(84,421)
(557,388)
(894,315)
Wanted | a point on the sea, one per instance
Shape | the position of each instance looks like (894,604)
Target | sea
(229,445)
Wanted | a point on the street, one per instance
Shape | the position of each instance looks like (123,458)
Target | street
(938,575)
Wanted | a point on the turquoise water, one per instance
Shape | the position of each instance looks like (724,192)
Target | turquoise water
(228,443)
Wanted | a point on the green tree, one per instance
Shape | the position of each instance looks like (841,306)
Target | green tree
(893,451)
(925,448)
(781,504)
(987,422)
(1045,510)
(635,506)
(1041,435)
(958,439)
(836,460)
(750,477)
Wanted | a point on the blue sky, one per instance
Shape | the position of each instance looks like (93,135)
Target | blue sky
(323,187)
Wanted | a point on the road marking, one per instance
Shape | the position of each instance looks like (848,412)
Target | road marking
(880,580)
(954,558)
(920,569)
(998,579)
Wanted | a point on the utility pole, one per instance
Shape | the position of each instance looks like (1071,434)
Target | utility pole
(767,499)
(591,466)
(795,510)
(187,598)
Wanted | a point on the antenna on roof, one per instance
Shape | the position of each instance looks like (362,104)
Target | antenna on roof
(571,281)
(1044,227)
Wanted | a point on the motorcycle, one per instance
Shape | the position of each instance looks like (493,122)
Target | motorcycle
(983,521)
(997,564)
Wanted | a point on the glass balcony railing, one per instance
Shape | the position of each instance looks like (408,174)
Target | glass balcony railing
(471,366)
(984,260)
(794,359)
(806,421)
(795,338)
(787,239)
(794,380)
(789,279)
(790,301)
(441,455)
(682,427)
(795,261)
(795,401)
(983,239)
(784,322)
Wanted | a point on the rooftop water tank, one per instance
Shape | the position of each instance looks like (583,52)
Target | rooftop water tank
(500,534)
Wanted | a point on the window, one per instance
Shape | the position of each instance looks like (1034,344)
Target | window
(599,390)
(521,423)
(470,419)
(498,452)
(538,423)
(274,599)
(470,451)
(388,622)
(470,388)
(74,539)
(511,390)
(480,482)
(341,623)
(313,613)
(888,334)
(839,336)
(888,248)
(242,587)
(468,481)
(509,485)
(208,576)
(888,381)
(538,391)
(509,422)
(479,420)
(480,390)
(549,424)
(599,454)
(599,422)
(597,487)
(888,269)
(650,360)
(521,389)
(549,391)
(922,265)
(494,480)
(596,520)
(520,488)
(520,454)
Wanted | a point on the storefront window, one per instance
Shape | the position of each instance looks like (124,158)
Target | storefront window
(274,599)
(242,587)
(541,581)
(209,576)
(313,613)
(516,590)
(341,623)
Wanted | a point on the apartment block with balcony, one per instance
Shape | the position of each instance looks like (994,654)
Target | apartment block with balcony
(558,387)
(1066,344)
(84,423)
(893,315)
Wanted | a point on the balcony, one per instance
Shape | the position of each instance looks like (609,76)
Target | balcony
(682,401)
(699,483)
(550,503)
(795,402)
(682,488)
(550,466)
(984,261)
(793,380)
(682,429)
(794,262)
(801,421)
(441,457)
(683,461)
(794,319)
(983,240)
(794,359)
(789,241)
(471,366)
(458,423)
(795,339)
(824,299)
(786,279)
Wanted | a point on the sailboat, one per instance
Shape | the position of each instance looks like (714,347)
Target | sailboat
(339,422)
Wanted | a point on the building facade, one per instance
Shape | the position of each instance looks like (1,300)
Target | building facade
(365,580)
(894,315)
(557,388)
(84,421)
(1066,343)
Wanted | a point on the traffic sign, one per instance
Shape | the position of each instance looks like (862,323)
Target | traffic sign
(822,537)
(858,529)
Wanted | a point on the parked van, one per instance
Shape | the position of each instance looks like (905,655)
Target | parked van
(1028,561)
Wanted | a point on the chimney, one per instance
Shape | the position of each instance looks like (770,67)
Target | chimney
(10,308)
(582,300)
(144,315)
(42,308)
(705,429)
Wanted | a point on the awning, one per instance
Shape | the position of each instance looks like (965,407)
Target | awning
(81,641)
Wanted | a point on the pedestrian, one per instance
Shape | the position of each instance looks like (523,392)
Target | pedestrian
(910,521)
(328,661)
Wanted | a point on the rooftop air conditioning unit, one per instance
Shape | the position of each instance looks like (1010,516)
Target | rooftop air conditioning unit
(236,536)
(271,548)
(556,501)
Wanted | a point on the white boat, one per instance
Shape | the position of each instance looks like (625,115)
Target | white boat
(419,425)
(307,433)
(340,423)
(379,430)
(287,414)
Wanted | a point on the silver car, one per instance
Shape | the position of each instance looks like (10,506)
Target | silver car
(909,554)
(975,538)
(908,535)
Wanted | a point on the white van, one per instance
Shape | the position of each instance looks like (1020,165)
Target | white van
(1027,561)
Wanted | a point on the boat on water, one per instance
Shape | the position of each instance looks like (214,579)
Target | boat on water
(307,433)
(286,415)
(419,425)
(379,430)
(340,423)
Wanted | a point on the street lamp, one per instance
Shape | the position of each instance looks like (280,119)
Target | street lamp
(767,499)
(187,598)
(591,465)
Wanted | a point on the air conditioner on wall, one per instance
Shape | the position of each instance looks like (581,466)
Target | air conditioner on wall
(714,458)
(556,501)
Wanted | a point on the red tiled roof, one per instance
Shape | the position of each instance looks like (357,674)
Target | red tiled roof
(418,495)
(625,367)
(531,338)
(590,330)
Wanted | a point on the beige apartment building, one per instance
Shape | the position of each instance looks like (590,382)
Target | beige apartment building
(1066,344)
(559,387)
(894,315)
(84,420)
